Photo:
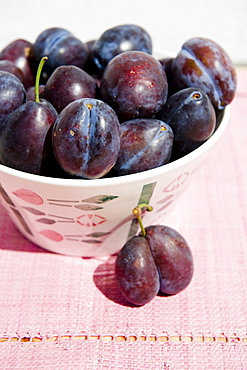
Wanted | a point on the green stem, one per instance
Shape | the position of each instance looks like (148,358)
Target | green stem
(137,212)
(41,63)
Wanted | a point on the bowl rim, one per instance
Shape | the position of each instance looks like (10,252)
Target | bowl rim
(126,179)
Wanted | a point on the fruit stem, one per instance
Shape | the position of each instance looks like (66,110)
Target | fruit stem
(41,63)
(138,211)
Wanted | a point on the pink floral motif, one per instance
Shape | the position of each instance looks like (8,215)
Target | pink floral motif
(28,196)
(177,182)
(90,220)
(53,235)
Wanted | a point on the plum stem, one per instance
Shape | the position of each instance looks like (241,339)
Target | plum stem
(138,211)
(41,63)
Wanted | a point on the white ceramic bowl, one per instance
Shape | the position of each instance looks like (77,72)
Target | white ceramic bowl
(94,217)
(90,218)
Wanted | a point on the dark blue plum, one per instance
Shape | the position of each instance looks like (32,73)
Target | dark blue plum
(160,261)
(145,144)
(12,95)
(19,52)
(117,40)
(172,256)
(136,272)
(135,85)
(68,83)
(192,118)
(9,66)
(204,64)
(61,47)
(25,142)
(86,138)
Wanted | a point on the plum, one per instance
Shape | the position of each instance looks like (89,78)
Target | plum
(146,143)
(134,84)
(68,83)
(191,115)
(203,63)
(12,95)
(61,47)
(86,138)
(158,259)
(19,52)
(25,140)
(117,40)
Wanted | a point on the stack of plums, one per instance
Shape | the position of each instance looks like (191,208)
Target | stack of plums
(108,107)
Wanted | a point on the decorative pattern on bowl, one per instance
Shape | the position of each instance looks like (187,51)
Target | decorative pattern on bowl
(86,226)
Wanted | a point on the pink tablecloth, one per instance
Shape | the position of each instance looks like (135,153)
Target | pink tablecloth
(59,312)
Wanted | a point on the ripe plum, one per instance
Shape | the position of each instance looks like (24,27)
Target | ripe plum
(19,52)
(134,84)
(158,259)
(24,140)
(119,39)
(8,66)
(192,118)
(172,256)
(136,272)
(145,143)
(61,47)
(204,64)
(68,83)
(12,95)
(86,138)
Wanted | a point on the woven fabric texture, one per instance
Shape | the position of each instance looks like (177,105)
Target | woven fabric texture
(59,312)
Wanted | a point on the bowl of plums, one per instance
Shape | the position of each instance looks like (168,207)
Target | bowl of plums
(96,135)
